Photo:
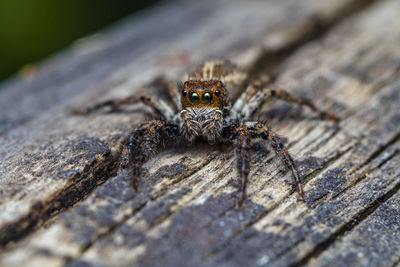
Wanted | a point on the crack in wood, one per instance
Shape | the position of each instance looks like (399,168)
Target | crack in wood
(387,159)
(262,214)
(312,175)
(270,62)
(294,142)
(92,175)
(381,149)
(373,168)
(326,164)
(356,220)
(396,263)
(326,140)
(318,170)
(76,192)
(353,222)
(140,208)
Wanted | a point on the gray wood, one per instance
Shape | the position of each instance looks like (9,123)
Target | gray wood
(63,202)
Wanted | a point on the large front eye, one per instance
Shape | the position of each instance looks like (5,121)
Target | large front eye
(194,97)
(206,97)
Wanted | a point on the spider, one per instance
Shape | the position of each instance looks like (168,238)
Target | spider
(202,111)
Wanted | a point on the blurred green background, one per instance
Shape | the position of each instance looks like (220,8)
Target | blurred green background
(30,30)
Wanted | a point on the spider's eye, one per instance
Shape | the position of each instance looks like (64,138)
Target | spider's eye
(184,93)
(217,92)
(194,97)
(206,97)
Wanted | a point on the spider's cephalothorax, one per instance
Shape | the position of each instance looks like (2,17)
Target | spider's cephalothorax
(201,111)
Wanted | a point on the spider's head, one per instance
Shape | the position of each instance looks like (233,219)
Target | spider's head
(197,93)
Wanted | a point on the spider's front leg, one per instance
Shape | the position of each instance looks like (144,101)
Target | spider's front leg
(260,130)
(159,107)
(241,135)
(243,160)
(143,143)
(244,133)
(258,99)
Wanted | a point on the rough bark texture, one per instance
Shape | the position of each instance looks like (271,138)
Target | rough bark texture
(63,202)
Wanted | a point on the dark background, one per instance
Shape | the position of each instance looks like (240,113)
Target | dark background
(30,30)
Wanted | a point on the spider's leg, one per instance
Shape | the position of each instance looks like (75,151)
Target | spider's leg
(260,130)
(250,91)
(244,133)
(160,108)
(258,100)
(240,134)
(243,161)
(175,93)
(168,90)
(143,142)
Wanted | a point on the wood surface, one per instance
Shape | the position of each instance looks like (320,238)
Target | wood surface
(63,201)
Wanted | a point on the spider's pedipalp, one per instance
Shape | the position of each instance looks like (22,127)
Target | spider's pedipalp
(205,123)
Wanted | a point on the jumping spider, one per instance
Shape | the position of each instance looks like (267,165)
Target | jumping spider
(201,111)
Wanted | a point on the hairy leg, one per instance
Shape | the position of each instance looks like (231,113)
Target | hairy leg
(244,133)
(258,99)
(250,91)
(159,107)
(243,99)
(143,143)
(240,134)
(243,161)
(260,130)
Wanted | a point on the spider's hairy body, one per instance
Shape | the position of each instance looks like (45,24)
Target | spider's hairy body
(201,124)
(202,111)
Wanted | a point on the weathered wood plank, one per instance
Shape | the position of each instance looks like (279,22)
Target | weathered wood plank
(184,212)
(60,80)
(286,231)
(36,180)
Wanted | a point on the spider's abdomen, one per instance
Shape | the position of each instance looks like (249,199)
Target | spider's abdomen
(201,123)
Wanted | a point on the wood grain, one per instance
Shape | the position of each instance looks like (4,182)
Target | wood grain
(63,201)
